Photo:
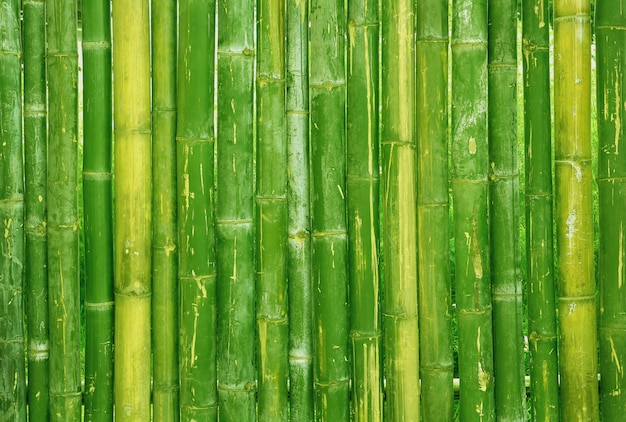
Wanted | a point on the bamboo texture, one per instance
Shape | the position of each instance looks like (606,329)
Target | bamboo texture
(362,183)
(133,210)
(400,306)
(12,362)
(35,231)
(196,230)
(166,387)
(435,301)
(235,212)
(610,23)
(542,334)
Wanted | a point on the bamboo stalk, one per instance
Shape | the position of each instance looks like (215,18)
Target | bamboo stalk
(301,382)
(574,214)
(470,193)
(196,232)
(610,25)
(63,225)
(166,387)
(12,362)
(362,184)
(436,358)
(35,231)
(133,211)
(544,393)
(97,205)
(328,223)
(235,212)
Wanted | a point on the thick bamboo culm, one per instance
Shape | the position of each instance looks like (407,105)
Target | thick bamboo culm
(298,210)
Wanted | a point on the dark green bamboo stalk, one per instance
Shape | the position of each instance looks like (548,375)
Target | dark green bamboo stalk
(12,362)
(399,212)
(97,205)
(508,336)
(574,215)
(63,226)
(166,386)
(544,392)
(235,212)
(271,197)
(435,301)
(362,209)
(299,216)
(470,193)
(196,231)
(133,210)
(328,224)
(35,231)
(611,60)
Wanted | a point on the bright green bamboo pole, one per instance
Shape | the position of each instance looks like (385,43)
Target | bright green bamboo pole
(97,205)
(435,301)
(399,212)
(235,212)
(544,392)
(470,193)
(196,231)
(362,209)
(63,281)
(133,211)
(611,51)
(299,215)
(328,224)
(166,385)
(12,371)
(271,197)
(508,342)
(574,215)
(35,232)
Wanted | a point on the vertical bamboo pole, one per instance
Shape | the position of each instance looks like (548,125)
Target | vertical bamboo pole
(299,214)
(399,212)
(35,231)
(470,193)
(97,205)
(63,265)
(166,386)
(235,212)
(544,389)
(362,205)
(435,301)
(328,224)
(12,370)
(133,211)
(611,60)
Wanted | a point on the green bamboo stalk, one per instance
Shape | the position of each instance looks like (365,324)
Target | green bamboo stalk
(544,392)
(435,301)
(401,345)
(35,237)
(97,205)
(12,363)
(63,226)
(328,223)
(574,214)
(235,212)
(508,336)
(610,25)
(301,396)
(271,197)
(362,209)
(133,210)
(470,193)
(164,229)
(196,232)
